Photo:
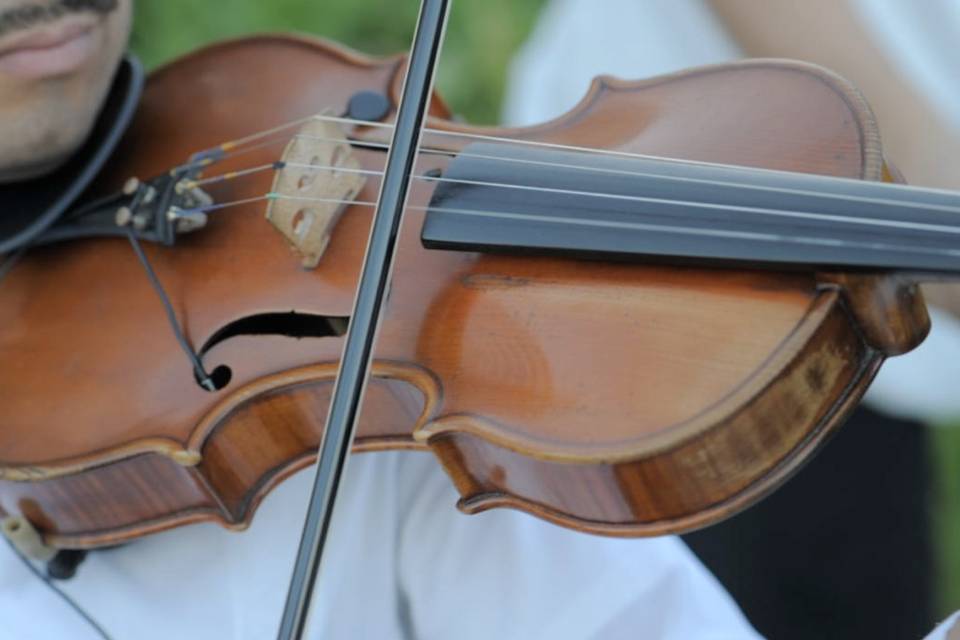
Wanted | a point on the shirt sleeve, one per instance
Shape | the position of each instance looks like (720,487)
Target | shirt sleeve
(949,629)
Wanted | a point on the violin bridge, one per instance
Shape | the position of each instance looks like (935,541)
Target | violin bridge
(318,178)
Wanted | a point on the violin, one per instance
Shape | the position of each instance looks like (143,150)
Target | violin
(636,319)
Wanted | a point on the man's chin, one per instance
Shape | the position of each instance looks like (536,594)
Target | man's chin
(52,130)
(36,169)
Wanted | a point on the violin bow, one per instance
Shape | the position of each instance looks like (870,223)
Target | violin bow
(361,335)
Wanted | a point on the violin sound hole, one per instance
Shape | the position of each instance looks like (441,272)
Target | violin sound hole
(290,324)
(220,377)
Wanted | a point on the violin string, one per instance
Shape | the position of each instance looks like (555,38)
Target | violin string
(632,226)
(266,132)
(640,174)
(232,145)
(785,213)
(915,226)
(233,175)
(356,142)
(719,233)
(203,161)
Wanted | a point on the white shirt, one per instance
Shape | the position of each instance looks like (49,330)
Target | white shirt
(402,562)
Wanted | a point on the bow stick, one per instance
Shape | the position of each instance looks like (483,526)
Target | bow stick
(371,293)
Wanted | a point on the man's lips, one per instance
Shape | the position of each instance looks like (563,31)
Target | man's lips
(53,50)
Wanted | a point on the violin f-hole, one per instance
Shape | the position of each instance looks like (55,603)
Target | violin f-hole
(290,324)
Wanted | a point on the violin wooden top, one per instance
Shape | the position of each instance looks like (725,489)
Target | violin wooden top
(617,398)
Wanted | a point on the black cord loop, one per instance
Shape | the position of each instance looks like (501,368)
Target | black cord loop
(80,611)
(9,261)
(201,373)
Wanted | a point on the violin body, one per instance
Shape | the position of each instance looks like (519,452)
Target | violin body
(615,398)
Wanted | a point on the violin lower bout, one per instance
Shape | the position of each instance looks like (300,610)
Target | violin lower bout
(692,474)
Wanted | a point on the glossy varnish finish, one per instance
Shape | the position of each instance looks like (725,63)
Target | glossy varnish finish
(615,398)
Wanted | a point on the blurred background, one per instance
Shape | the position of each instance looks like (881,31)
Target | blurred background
(891,49)
(481,36)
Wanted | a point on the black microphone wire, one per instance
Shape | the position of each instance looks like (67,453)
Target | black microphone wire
(80,611)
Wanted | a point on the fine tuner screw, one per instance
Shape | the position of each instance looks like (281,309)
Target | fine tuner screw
(123,216)
(130,186)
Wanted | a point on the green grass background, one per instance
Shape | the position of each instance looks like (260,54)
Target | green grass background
(945,509)
(482,36)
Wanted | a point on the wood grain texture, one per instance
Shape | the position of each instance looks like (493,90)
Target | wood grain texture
(621,399)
